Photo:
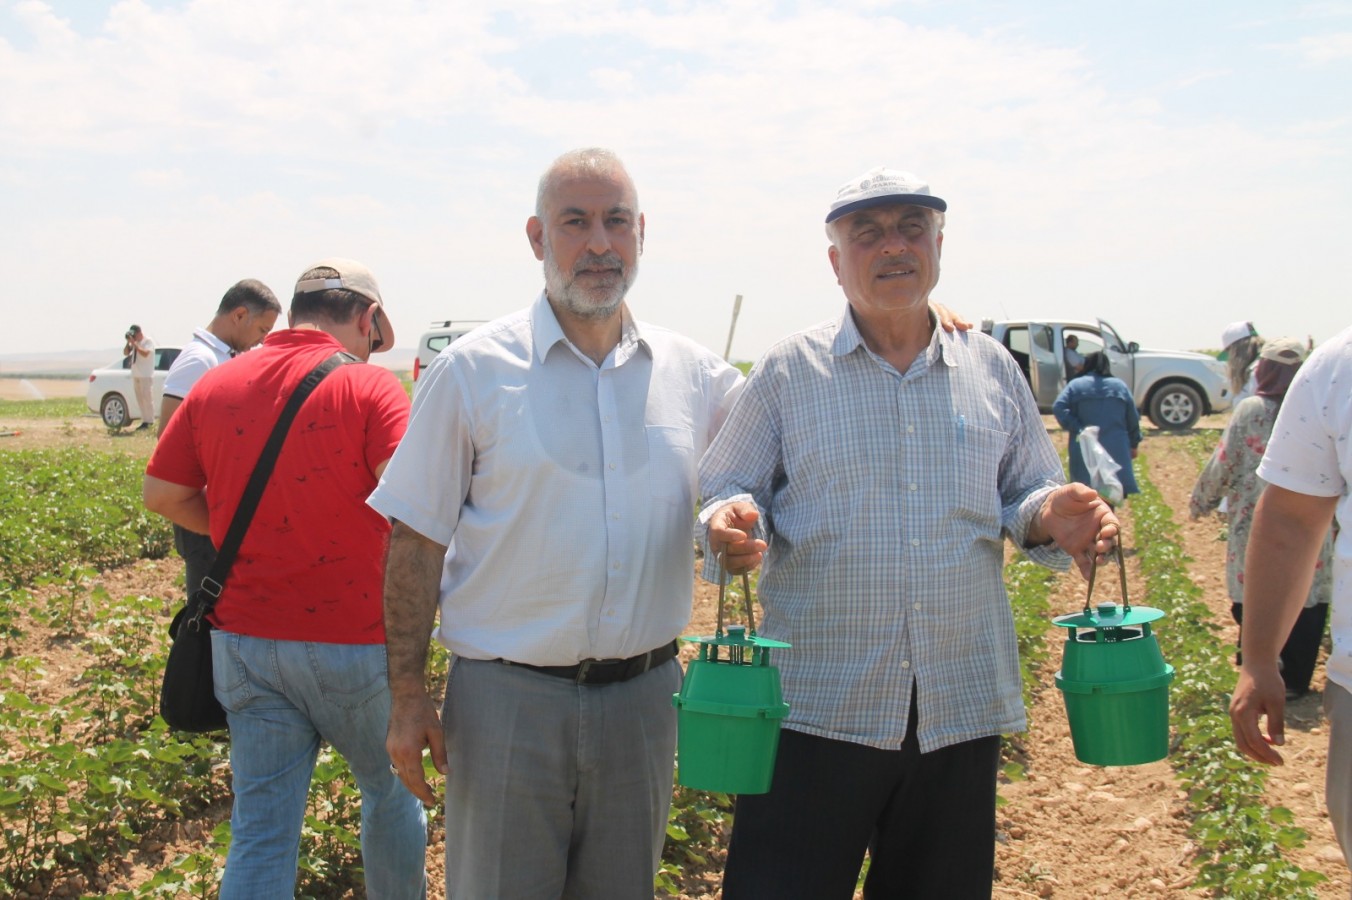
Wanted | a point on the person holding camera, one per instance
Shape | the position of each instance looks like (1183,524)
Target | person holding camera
(141,349)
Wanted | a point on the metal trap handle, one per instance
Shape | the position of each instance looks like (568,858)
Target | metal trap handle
(722,594)
(1122,573)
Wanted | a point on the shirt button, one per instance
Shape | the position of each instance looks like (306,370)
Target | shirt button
(905,663)
(913,486)
(614,565)
(916,607)
(915,542)
(910,429)
(615,516)
(610,466)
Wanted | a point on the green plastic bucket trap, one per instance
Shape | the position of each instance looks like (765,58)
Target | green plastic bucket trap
(1115,682)
(730,708)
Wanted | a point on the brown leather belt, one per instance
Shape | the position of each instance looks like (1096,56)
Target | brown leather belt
(605,671)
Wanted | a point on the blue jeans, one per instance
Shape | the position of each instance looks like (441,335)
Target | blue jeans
(281,698)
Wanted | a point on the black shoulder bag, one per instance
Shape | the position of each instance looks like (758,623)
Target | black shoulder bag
(188,695)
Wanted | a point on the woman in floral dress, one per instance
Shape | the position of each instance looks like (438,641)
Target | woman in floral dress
(1232,475)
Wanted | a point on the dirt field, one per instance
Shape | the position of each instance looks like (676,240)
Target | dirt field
(1068,831)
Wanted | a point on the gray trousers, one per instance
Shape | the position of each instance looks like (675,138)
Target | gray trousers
(1338,784)
(556,790)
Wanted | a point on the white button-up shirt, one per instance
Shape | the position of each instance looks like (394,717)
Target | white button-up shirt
(564,491)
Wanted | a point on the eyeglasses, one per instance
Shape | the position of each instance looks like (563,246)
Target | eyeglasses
(379,340)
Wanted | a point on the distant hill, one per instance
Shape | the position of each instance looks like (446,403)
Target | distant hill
(79,363)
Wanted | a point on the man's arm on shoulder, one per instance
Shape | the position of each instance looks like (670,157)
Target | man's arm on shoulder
(949,320)
(412,587)
(1288,530)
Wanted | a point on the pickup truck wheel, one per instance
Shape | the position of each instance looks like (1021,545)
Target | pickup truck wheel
(1175,407)
(113,411)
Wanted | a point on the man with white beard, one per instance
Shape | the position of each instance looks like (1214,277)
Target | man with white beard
(554,453)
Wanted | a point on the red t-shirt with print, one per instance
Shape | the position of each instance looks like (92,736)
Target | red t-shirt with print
(311,565)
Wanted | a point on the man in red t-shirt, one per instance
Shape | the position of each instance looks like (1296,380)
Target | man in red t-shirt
(298,650)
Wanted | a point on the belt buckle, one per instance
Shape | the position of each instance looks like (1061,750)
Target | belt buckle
(582,669)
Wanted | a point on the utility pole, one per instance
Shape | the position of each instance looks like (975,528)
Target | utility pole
(736,308)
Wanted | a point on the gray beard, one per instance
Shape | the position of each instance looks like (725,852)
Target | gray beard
(582,302)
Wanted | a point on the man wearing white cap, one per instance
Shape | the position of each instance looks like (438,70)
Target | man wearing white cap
(1308,468)
(877,463)
(298,649)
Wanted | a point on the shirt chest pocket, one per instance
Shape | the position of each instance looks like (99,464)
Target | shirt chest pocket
(975,480)
(671,464)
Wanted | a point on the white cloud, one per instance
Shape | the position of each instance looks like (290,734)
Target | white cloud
(252,137)
(161,178)
(1326,48)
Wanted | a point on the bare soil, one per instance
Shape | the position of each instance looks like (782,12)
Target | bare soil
(1068,830)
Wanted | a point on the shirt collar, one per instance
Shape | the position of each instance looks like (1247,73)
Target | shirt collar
(942,346)
(548,332)
(212,341)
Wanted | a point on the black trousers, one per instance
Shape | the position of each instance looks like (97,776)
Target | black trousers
(927,821)
(198,553)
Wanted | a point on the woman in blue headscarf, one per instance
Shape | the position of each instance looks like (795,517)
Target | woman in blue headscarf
(1095,397)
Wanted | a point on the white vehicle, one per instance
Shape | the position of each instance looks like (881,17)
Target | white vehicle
(1173,387)
(110,393)
(436,339)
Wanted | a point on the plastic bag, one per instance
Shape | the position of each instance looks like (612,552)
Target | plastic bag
(1102,467)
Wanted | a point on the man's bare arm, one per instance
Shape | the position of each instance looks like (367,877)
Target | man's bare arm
(1288,530)
(412,586)
(184,506)
(168,406)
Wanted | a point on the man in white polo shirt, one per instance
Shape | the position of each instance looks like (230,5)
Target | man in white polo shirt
(1308,468)
(244,317)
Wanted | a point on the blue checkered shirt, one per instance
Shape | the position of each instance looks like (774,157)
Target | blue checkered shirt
(886,498)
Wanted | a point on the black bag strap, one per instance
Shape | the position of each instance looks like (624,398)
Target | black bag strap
(214,582)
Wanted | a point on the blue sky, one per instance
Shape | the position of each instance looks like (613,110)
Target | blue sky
(1168,167)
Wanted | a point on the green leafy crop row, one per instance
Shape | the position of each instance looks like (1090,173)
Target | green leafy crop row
(63,510)
(1240,839)
(64,408)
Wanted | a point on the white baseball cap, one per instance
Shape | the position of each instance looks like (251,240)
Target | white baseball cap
(881,186)
(1237,331)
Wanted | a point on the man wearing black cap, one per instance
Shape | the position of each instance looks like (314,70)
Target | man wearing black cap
(141,351)
(877,462)
(298,651)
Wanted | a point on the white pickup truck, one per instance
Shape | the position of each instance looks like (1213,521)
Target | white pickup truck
(1173,387)
(437,338)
